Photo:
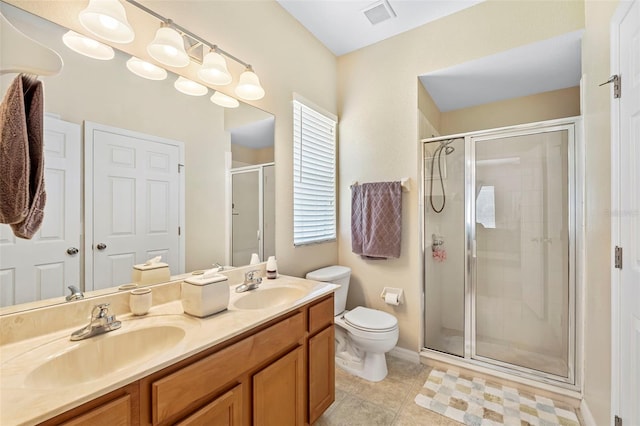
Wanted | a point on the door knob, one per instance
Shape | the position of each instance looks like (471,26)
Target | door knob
(72,250)
(101,246)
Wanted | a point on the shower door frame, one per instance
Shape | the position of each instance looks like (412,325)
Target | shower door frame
(575,168)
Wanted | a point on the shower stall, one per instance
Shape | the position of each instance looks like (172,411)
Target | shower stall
(498,229)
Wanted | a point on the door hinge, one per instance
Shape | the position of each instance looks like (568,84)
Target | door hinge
(618,257)
(617,421)
(617,85)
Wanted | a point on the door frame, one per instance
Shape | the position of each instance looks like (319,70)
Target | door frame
(621,11)
(88,129)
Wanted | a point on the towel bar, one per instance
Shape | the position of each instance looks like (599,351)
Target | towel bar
(405,182)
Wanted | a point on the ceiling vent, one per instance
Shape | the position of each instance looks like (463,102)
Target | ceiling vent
(379,11)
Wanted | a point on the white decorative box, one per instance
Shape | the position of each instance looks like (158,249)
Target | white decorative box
(153,273)
(205,296)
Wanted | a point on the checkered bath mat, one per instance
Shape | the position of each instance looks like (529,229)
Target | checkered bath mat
(477,402)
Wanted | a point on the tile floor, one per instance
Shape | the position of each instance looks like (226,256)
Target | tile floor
(386,403)
(389,402)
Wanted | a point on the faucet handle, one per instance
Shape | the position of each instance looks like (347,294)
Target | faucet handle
(100,311)
(249,275)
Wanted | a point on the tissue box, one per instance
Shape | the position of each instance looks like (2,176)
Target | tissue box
(202,297)
(150,274)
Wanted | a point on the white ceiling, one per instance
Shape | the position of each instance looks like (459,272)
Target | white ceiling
(534,68)
(539,67)
(342,26)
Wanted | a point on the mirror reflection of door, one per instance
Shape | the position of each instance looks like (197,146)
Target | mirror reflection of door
(252,213)
(49,262)
(136,203)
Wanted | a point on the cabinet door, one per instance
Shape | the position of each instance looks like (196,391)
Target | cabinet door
(114,413)
(321,373)
(225,410)
(278,392)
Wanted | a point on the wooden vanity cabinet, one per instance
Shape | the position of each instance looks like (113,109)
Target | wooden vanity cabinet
(117,408)
(280,373)
(321,358)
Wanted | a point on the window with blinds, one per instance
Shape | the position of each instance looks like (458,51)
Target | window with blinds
(314,176)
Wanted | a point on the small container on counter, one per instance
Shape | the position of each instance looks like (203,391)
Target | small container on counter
(140,301)
(206,295)
(272,268)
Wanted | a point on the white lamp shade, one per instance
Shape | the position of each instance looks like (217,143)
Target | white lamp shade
(107,19)
(87,46)
(224,101)
(214,69)
(168,48)
(249,87)
(189,87)
(146,70)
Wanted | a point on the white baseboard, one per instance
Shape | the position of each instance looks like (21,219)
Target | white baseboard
(405,354)
(586,414)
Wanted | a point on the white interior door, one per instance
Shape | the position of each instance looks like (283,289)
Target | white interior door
(43,267)
(626,217)
(136,202)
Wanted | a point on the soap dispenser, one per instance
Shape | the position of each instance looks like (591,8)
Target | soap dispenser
(272,268)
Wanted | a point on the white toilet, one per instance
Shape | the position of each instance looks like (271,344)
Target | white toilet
(363,335)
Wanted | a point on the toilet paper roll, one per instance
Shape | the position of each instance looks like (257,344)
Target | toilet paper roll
(391,299)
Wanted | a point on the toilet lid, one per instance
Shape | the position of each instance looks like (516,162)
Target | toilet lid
(370,319)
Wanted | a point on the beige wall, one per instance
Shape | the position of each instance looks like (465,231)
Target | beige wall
(597,104)
(379,125)
(527,109)
(244,156)
(285,56)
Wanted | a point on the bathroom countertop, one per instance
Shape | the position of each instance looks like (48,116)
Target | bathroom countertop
(22,402)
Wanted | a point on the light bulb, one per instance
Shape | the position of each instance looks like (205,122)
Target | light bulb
(107,19)
(87,46)
(189,87)
(145,69)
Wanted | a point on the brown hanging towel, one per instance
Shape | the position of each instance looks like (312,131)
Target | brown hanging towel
(22,194)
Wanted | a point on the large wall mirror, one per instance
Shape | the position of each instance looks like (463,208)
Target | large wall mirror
(104,127)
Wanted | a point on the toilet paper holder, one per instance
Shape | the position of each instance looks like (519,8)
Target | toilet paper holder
(392,295)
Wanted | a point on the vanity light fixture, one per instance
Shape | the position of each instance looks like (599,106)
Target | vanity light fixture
(107,19)
(168,47)
(214,69)
(223,100)
(190,87)
(146,70)
(249,87)
(87,46)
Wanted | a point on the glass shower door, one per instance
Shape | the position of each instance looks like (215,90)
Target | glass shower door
(521,275)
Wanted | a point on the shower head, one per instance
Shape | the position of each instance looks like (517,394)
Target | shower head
(446,146)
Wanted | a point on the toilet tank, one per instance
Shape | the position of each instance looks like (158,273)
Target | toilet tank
(337,275)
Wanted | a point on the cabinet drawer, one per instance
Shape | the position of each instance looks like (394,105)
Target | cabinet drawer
(176,392)
(114,413)
(225,410)
(321,315)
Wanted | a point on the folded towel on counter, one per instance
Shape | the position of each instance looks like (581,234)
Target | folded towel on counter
(22,194)
(376,219)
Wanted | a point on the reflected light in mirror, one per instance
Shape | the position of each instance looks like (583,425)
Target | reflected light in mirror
(224,101)
(249,87)
(87,46)
(214,69)
(168,48)
(189,87)
(145,70)
(107,19)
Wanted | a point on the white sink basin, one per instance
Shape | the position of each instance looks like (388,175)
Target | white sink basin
(268,297)
(93,358)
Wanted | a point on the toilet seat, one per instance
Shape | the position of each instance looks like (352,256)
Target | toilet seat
(370,320)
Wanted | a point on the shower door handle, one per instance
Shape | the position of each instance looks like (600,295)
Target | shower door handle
(474,253)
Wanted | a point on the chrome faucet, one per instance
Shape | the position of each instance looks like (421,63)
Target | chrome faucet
(101,322)
(76,294)
(251,282)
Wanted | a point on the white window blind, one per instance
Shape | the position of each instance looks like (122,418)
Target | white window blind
(314,176)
